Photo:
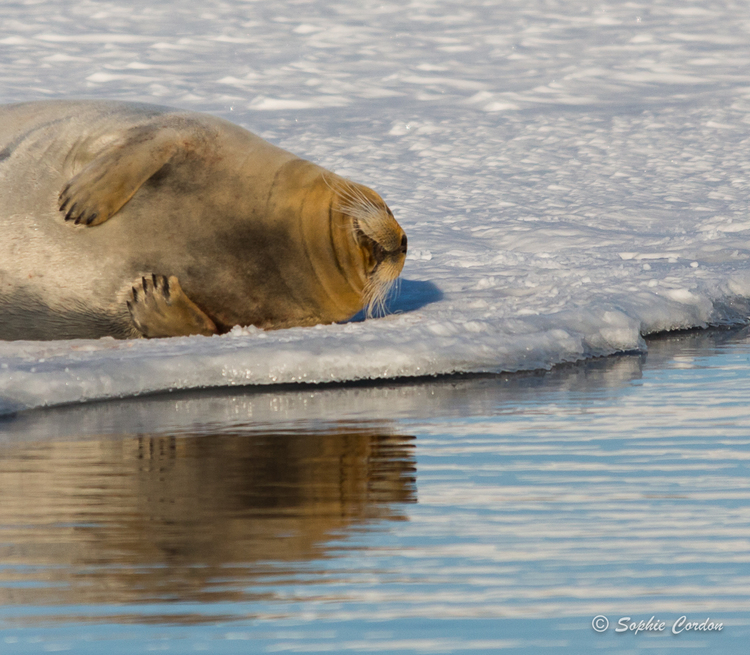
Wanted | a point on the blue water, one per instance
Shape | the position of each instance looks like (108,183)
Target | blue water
(483,514)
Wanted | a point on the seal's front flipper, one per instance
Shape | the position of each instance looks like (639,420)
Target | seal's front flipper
(159,308)
(111,179)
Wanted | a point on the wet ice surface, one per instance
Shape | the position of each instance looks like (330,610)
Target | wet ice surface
(570,176)
(484,514)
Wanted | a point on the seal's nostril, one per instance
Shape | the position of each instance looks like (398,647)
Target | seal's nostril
(403,244)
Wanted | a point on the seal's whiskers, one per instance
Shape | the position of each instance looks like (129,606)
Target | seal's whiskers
(379,288)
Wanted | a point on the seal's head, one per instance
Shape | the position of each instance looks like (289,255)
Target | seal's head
(330,246)
(378,237)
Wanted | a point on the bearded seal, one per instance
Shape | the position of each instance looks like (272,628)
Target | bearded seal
(132,220)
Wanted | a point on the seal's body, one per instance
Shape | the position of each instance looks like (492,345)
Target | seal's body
(132,220)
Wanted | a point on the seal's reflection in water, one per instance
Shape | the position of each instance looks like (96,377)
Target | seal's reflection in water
(245,495)
(200,518)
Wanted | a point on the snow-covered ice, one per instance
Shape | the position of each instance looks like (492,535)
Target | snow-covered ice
(571,176)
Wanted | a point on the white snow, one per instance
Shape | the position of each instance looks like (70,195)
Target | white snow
(571,175)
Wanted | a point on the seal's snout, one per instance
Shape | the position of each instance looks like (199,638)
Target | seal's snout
(390,254)
(381,241)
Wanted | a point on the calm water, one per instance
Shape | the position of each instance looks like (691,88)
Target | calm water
(455,515)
